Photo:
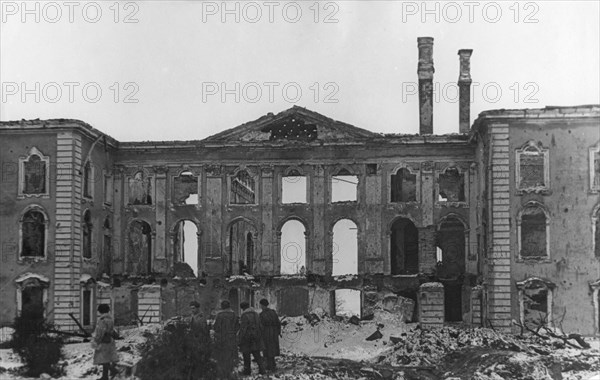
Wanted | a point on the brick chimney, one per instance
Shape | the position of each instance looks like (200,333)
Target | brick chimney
(464,88)
(425,71)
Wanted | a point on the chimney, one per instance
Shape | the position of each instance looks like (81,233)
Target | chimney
(464,88)
(425,71)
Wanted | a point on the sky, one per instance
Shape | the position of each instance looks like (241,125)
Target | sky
(184,70)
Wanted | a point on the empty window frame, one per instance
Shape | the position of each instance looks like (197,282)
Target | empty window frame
(595,168)
(532,171)
(344,187)
(293,248)
(345,248)
(34,233)
(86,233)
(293,187)
(403,186)
(88,180)
(533,225)
(186,244)
(241,243)
(348,302)
(596,231)
(32,295)
(108,188)
(34,176)
(242,188)
(185,189)
(451,185)
(535,302)
(87,300)
(140,189)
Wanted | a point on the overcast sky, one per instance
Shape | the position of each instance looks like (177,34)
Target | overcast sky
(162,67)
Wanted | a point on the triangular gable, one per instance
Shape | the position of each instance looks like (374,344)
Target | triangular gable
(295,124)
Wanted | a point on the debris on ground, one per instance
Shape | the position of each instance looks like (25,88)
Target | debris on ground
(319,347)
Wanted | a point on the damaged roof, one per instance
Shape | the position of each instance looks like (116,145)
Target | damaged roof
(293,124)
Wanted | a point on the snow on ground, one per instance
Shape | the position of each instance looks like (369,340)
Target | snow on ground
(343,340)
(330,349)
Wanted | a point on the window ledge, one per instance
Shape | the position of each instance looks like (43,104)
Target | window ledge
(460,204)
(31,259)
(533,260)
(537,190)
(25,196)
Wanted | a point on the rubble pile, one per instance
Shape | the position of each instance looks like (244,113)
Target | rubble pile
(484,354)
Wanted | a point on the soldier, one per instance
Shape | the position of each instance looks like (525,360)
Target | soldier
(250,338)
(225,326)
(271,331)
(198,325)
(103,343)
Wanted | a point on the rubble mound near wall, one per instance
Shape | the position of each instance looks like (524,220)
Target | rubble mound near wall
(484,354)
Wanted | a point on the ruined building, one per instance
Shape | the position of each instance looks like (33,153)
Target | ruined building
(497,223)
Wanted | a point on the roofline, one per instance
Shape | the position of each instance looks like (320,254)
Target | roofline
(548,112)
(56,124)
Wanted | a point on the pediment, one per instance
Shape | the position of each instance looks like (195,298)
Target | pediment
(296,124)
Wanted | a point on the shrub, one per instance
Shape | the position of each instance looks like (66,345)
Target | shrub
(175,354)
(39,348)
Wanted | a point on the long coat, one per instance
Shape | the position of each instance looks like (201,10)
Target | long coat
(104,352)
(225,351)
(250,319)
(271,328)
(199,328)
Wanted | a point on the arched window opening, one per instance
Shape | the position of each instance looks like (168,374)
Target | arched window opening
(404,247)
(344,187)
(348,302)
(404,186)
(140,248)
(87,235)
(33,234)
(345,248)
(241,247)
(186,244)
(243,189)
(293,248)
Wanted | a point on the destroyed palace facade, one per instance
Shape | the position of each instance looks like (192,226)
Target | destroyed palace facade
(495,224)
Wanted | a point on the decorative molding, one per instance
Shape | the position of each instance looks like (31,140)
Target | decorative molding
(532,148)
(33,151)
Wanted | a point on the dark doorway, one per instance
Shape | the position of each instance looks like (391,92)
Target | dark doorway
(32,306)
(450,270)
(404,247)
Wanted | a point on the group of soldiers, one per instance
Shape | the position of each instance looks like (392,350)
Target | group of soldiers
(256,335)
